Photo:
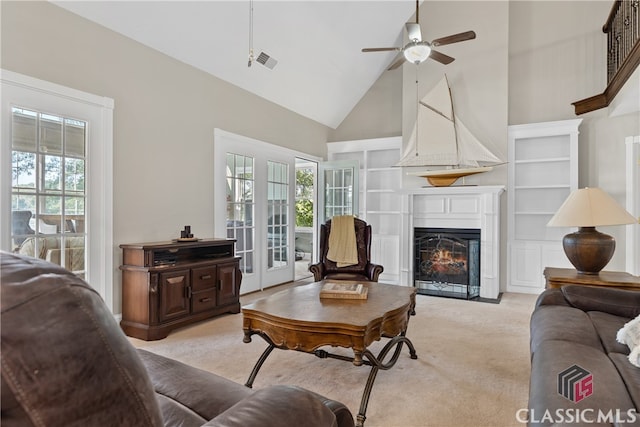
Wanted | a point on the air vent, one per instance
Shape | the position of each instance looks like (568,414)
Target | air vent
(266,60)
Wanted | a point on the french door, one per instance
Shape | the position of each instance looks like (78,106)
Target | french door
(254,187)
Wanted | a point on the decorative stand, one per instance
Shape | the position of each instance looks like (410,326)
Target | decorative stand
(376,363)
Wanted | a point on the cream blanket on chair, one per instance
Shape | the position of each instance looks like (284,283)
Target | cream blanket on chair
(343,249)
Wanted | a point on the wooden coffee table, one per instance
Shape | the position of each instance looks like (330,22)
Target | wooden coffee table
(298,319)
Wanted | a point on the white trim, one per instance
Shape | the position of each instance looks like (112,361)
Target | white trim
(98,112)
(37,85)
(633,204)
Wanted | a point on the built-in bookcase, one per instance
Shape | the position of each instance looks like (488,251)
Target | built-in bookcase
(543,171)
(379,197)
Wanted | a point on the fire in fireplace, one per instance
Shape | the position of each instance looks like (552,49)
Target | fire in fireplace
(447,262)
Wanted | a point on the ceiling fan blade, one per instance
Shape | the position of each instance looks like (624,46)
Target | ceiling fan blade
(397,62)
(380,49)
(455,38)
(441,57)
(413,31)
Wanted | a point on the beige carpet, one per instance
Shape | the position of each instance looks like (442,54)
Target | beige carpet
(472,367)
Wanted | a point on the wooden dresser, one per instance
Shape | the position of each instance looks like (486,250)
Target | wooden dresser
(557,277)
(166,285)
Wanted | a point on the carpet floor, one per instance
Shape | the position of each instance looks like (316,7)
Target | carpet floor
(472,367)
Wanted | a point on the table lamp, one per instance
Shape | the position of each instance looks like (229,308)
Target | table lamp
(588,249)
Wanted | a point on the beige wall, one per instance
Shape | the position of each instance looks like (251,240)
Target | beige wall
(479,84)
(378,114)
(164,117)
(478,77)
(556,57)
(528,63)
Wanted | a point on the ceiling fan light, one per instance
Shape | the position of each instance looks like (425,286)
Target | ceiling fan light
(416,52)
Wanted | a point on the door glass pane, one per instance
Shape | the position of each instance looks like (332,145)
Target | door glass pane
(75,134)
(240,208)
(50,134)
(23,170)
(48,188)
(74,175)
(24,130)
(277,208)
(52,172)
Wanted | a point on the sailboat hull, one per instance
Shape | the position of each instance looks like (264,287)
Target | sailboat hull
(446,177)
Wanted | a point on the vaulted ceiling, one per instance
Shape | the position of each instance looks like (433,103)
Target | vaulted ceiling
(320,73)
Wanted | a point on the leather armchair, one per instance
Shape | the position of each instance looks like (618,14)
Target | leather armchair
(66,362)
(364,270)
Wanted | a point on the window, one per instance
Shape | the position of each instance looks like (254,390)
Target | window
(48,187)
(60,178)
(339,189)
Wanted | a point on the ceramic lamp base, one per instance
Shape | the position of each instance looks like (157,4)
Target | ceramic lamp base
(589,250)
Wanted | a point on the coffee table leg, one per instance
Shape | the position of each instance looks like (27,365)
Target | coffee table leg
(258,365)
(377,363)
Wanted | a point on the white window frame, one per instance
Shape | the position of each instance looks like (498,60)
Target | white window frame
(39,95)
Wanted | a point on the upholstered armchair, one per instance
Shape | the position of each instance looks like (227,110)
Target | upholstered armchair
(20,225)
(364,270)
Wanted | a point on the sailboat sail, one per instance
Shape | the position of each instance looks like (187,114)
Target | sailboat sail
(441,139)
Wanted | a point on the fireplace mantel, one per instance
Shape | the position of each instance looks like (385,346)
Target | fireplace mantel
(476,207)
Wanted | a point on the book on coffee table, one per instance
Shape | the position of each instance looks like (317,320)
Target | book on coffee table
(348,290)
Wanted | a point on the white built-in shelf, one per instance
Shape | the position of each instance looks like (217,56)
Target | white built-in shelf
(380,200)
(539,187)
(543,171)
(544,160)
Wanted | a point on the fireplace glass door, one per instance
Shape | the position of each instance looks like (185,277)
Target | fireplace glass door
(447,262)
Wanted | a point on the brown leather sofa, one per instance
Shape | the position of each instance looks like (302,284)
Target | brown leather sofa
(65,362)
(577,325)
(364,270)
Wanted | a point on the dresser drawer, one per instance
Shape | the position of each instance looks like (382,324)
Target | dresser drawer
(203,301)
(203,278)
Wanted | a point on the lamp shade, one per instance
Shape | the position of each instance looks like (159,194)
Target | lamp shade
(590,207)
(588,249)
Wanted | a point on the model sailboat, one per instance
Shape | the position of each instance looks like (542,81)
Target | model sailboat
(439,138)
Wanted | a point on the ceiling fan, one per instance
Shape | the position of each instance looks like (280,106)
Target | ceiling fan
(417,50)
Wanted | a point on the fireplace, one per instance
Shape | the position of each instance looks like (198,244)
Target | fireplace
(447,262)
(465,207)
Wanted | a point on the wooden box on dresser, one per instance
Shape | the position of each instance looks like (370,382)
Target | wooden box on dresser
(167,285)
